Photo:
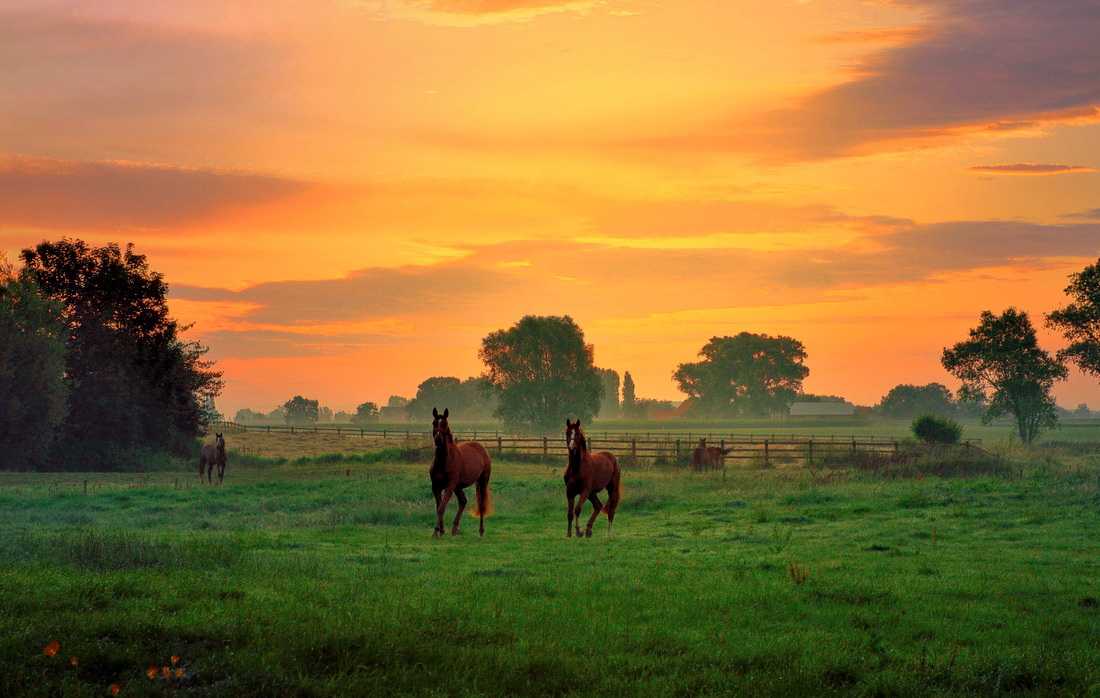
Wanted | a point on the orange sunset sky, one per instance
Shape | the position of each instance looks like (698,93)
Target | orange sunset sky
(347,195)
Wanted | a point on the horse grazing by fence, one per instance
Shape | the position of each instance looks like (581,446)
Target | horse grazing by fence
(456,466)
(707,457)
(586,475)
(212,455)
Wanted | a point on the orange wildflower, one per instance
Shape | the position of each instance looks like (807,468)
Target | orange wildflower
(52,648)
(115,688)
(151,672)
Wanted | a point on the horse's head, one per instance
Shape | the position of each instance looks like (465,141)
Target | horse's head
(219,442)
(441,430)
(702,443)
(574,437)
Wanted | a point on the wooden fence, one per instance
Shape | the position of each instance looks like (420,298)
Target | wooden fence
(631,448)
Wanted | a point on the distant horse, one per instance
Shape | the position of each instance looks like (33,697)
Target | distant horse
(706,457)
(456,466)
(585,477)
(212,455)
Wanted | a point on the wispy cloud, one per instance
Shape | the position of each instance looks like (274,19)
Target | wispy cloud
(68,195)
(1033,169)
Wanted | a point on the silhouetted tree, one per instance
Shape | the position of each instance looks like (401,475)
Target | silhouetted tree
(542,372)
(301,411)
(32,368)
(1079,321)
(365,413)
(1002,358)
(442,392)
(748,374)
(134,383)
(630,397)
(908,401)
(609,400)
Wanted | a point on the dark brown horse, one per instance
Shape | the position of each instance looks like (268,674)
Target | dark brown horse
(212,455)
(455,467)
(585,477)
(707,457)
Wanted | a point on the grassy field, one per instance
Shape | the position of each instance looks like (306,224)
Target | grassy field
(321,578)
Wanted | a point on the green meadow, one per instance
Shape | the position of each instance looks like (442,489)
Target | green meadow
(321,578)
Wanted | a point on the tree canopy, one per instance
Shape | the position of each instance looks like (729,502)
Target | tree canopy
(301,411)
(907,401)
(748,374)
(542,372)
(630,396)
(134,383)
(1002,359)
(1079,321)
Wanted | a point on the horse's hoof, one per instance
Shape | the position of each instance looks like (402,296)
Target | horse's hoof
(588,533)
(454,531)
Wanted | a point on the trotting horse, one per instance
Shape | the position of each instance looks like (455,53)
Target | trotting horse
(585,476)
(212,455)
(455,467)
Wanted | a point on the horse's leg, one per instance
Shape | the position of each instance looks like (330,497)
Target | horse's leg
(461,508)
(597,507)
(569,522)
(443,500)
(580,507)
(437,494)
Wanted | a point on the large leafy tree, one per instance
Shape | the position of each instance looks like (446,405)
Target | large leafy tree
(748,374)
(442,392)
(301,411)
(32,368)
(542,372)
(1002,359)
(135,383)
(908,401)
(365,413)
(1080,320)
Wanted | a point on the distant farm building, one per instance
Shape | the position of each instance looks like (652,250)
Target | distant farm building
(822,409)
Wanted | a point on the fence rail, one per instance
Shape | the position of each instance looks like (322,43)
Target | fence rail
(631,448)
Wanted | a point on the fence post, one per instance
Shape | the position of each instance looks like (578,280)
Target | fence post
(268,428)
(895,446)
(500,446)
(811,449)
(853,444)
(634,451)
(545,449)
(677,451)
(765,451)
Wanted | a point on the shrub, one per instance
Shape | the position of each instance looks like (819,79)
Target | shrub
(937,430)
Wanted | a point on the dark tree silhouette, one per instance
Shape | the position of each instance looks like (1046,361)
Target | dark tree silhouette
(749,374)
(630,396)
(134,383)
(908,401)
(1079,321)
(542,372)
(301,411)
(1002,358)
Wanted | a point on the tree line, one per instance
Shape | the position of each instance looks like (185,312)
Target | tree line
(94,372)
(541,371)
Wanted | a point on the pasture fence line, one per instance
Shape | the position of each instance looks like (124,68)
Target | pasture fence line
(631,448)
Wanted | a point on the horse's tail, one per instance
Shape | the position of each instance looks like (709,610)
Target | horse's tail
(484,495)
(614,489)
